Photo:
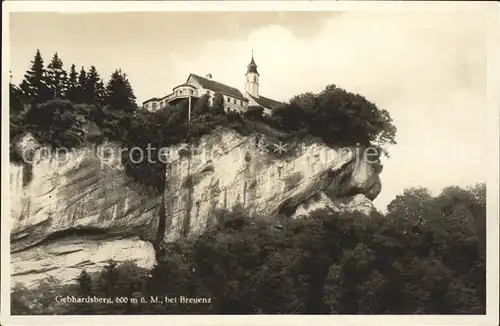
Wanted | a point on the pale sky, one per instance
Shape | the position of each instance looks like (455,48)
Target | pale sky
(428,69)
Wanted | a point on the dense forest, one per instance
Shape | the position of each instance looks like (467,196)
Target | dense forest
(425,255)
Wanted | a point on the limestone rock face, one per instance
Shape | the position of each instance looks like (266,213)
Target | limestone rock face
(66,258)
(226,169)
(73,210)
(79,209)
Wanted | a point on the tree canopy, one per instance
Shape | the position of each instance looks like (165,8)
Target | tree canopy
(57,78)
(119,93)
(330,263)
(337,117)
(34,85)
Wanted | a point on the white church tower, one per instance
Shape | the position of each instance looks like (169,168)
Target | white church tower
(252,79)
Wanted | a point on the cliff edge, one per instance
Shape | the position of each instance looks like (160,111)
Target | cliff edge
(78,209)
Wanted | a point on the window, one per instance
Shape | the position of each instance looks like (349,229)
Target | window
(190,91)
(161,104)
(228,99)
(154,106)
(241,103)
(234,101)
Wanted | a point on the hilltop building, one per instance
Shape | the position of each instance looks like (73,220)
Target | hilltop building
(196,86)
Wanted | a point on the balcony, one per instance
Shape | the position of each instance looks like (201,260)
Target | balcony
(183,91)
(175,97)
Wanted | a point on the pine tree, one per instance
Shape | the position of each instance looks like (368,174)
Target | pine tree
(94,90)
(34,84)
(72,93)
(57,78)
(82,86)
(100,92)
(119,93)
(16,101)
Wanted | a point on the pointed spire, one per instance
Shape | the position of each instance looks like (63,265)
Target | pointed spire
(252,62)
(252,66)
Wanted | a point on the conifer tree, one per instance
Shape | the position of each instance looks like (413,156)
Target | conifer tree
(119,93)
(15,99)
(82,86)
(100,92)
(57,78)
(94,90)
(73,85)
(34,84)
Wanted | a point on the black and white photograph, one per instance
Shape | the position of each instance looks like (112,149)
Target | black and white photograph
(183,159)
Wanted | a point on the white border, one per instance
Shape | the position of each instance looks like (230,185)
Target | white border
(148,6)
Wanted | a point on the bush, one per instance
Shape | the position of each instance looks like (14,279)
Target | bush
(56,123)
(337,117)
(41,300)
(414,260)
(254,113)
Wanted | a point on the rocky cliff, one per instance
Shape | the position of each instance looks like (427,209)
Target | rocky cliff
(77,210)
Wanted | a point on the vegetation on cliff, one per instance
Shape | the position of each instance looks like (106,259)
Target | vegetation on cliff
(425,256)
(54,106)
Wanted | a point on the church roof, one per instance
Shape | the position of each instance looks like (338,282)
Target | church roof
(265,101)
(252,67)
(218,87)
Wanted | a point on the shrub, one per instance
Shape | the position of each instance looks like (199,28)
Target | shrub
(254,112)
(409,261)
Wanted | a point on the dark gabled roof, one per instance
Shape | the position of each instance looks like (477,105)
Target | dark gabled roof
(265,101)
(218,87)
